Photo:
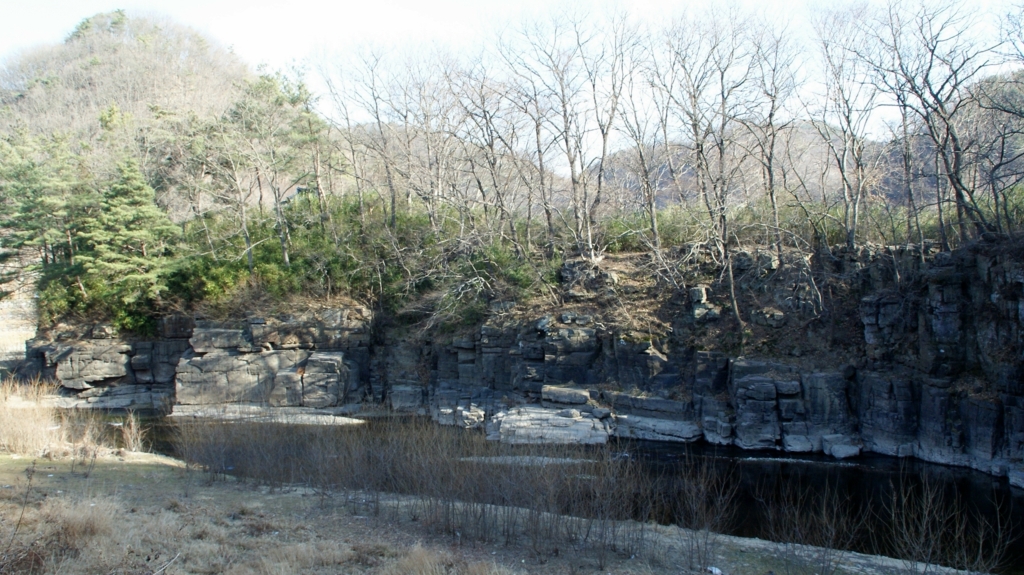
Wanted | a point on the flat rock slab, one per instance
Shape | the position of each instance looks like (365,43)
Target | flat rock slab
(527,460)
(537,425)
(213,339)
(845,451)
(262,414)
(839,446)
(565,395)
(471,417)
(85,364)
(654,429)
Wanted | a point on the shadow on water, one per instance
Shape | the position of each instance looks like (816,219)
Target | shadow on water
(866,483)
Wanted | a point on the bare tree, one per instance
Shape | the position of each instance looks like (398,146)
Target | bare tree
(928,529)
(529,94)
(712,81)
(713,64)
(490,138)
(581,74)
(774,58)
(642,123)
(848,102)
(266,118)
(369,93)
(927,58)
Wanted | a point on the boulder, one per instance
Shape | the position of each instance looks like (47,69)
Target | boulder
(175,327)
(768,317)
(102,331)
(406,398)
(757,425)
(471,417)
(797,444)
(287,390)
(83,364)
(705,312)
(839,446)
(788,387)
(845,451)
(222,377)
(698,294)
(1016,477)
(325,379)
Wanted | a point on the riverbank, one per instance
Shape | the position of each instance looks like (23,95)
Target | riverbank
(406,481)
(143,513)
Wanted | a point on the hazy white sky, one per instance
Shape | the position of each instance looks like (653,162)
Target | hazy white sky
(280,32)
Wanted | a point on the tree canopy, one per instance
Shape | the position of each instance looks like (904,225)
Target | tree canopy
(142,165)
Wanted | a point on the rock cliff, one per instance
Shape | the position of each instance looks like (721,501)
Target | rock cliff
(909,353)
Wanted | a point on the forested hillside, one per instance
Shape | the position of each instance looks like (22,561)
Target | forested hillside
(144,169)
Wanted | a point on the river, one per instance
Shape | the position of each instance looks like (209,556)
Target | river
(859,492)
(865,484)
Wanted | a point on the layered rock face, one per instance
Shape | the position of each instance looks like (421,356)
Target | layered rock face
(319,360)
(104,372)
(939,375)
(727,401)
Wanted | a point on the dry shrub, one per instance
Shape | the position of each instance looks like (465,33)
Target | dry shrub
(303,555)
(133,433)
(29,558)
(421,561)
(460,484)
(481,568)
(259,526)
(82,434)
(370,554)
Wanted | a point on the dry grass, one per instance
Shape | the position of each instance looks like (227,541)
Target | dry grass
(74,524)
(30,425)
(423,561)
(130,528)
(27,425)
(131,516)
(446,480)
(133,434)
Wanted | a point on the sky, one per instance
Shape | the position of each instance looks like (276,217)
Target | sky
(279,33)
(282,33)
(289,34)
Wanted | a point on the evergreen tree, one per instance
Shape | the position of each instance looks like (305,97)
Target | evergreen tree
(46,196)
(130,240)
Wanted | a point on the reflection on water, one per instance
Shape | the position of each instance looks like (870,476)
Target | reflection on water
(867,481)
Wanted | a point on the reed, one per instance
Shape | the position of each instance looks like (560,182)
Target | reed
(584,499)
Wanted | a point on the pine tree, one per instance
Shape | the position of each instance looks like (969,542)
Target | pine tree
(130,240)
(46,198)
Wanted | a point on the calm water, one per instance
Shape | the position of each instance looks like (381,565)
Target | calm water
(864,483)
